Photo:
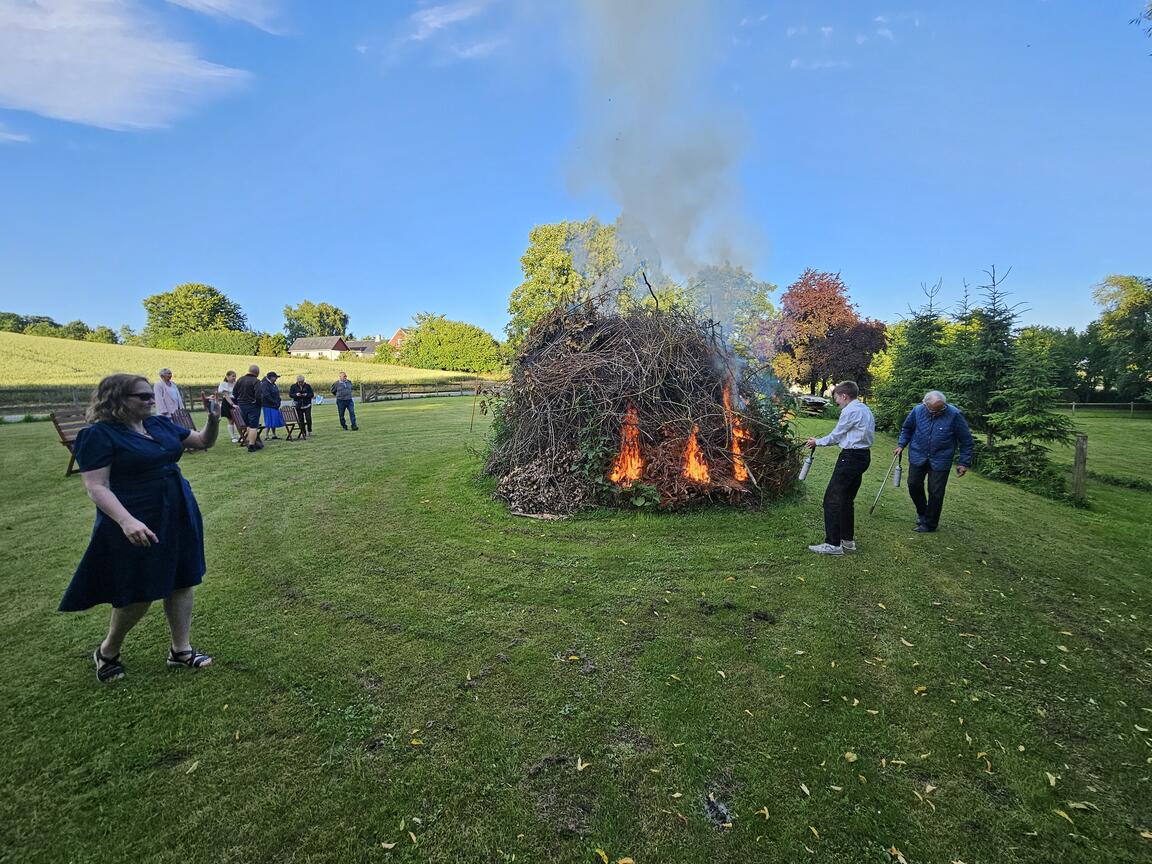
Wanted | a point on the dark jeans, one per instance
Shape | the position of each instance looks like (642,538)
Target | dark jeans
(927,509)
(349,406)
(305,419)
(839,514)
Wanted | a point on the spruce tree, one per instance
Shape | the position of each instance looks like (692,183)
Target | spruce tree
(1025,400)
(991,359)
(915,355)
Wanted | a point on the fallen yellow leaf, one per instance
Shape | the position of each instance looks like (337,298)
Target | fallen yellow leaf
(805,789)
(581,764)
(919,689)
(625,861)
(1083,805)
(388,845)
(1064,815)
(412,837)
(416,742)
(815,833)
(763,811)
(850,756)
(573,656)
(1051,778)
(906,643)
(193,767)
(603,855)
(1147,835)
(721,673)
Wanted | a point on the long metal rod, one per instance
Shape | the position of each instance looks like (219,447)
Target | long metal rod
(883,483)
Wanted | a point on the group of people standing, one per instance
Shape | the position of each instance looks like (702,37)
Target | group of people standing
(258,402)
(935,434)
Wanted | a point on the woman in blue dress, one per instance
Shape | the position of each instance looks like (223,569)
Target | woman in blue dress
(270,400)
(148,541)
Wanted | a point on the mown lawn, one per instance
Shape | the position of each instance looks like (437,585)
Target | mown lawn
(398,661)
(1118,445)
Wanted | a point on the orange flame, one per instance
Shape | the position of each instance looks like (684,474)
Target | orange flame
(736,434)
(695,468)
(628,465)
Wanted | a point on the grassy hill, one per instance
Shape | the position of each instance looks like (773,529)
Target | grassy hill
(33,361)
(395,653)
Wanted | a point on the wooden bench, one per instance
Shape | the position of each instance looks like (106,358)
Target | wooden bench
(182,417)
(68,424)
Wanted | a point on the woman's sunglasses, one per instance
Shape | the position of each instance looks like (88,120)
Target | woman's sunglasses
(144,397)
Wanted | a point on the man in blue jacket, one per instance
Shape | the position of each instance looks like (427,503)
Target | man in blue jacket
(935,430)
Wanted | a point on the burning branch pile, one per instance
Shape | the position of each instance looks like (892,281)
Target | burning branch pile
(644,407)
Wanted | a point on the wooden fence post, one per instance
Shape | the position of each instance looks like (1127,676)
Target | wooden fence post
(1080,468)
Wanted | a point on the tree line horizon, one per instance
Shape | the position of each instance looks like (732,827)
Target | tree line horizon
(812,338)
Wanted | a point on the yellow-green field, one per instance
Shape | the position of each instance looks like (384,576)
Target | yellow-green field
(39,361)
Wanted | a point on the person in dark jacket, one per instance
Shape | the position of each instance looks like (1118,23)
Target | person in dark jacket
(302,395)
(246,395)
(934,431)
(270,399)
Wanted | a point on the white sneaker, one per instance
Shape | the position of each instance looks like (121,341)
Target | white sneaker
(848,545)
(826,549)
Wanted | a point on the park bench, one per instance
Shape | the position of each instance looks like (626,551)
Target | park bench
(68,424)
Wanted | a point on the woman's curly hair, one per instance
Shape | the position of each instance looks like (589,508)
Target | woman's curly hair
(110,399)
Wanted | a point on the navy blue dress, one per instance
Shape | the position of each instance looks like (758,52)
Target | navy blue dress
(147,481)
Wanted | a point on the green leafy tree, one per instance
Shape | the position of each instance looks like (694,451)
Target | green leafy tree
(1126,325)
(10,322)
(272,345)
(191,307)
(314,319)
(437,343)
(564,263)
(1098,372)
(128,336)
(102,334)
(738,300)
(43,328)
(77,330)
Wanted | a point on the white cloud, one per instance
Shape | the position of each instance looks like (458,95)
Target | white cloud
(7,137)
(795,31)
(100,62)
(826,32)
(258,13)
(880,19)
(478,50)
(428,22)
(885,33)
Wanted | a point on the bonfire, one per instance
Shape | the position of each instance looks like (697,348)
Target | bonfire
(648,407)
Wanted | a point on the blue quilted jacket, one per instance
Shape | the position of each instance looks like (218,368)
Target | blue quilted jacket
(935,439)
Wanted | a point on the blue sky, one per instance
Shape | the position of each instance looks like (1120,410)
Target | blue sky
(391,157)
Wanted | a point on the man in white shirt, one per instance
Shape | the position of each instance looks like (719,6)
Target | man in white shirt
(855,431)
(168,400)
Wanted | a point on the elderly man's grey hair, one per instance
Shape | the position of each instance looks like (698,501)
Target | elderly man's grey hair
(253,369)
(299,377)
(164,371)
(935,396)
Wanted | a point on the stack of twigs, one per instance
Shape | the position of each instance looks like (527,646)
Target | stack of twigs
(557,426)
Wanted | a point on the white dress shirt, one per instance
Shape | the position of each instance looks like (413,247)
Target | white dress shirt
(168,400)
(856,429)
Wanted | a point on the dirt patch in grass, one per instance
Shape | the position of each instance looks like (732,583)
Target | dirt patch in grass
(548,785)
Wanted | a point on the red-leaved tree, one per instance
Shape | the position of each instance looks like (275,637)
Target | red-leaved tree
(819,338)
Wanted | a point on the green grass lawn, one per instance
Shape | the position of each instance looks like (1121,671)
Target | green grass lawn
(1118,445)
(396,654)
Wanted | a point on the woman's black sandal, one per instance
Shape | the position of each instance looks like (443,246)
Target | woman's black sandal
(189,659)
(107,668)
